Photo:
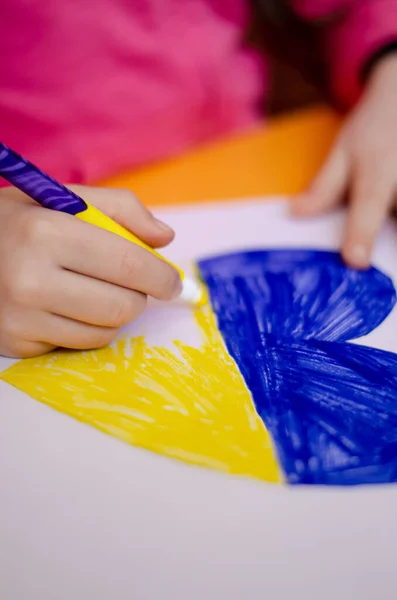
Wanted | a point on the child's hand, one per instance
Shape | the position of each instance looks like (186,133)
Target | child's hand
(362,167)
(66,283)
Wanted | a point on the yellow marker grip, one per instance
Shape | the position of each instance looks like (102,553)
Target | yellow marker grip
(96,217)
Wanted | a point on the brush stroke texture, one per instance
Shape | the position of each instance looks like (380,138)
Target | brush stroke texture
(330,406)
(183,402)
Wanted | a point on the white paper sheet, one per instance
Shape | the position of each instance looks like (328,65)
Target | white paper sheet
(84,516)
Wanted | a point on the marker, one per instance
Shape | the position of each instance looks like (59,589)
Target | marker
(53,195)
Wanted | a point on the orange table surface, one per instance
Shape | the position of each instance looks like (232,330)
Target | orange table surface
(279,157)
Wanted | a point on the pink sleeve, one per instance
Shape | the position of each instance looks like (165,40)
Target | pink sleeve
(354,32)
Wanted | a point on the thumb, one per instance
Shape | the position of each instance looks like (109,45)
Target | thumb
(123,206)
(328,187)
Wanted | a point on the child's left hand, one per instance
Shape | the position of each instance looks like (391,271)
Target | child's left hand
(362,167)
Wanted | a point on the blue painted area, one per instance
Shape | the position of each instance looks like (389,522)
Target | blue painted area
(330,406)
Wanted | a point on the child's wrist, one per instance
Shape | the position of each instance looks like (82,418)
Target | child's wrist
(384,70)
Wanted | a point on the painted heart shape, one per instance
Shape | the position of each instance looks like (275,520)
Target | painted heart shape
(286,317)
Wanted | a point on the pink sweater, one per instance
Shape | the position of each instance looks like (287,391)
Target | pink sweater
(91,87)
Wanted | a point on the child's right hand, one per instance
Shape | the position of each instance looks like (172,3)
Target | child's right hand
(66,283)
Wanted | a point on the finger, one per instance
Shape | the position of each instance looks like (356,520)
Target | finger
(372,198)
(12,193)
(91,301)
(18,348)
(55,331)
(328,188)
(96,253)
(66,333)
(125,208)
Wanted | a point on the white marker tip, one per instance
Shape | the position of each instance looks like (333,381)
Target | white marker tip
(191,291)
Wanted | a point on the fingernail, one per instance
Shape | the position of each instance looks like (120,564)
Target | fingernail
(163,226)
(359,255)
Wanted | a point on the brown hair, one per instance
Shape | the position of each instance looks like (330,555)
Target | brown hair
(293,48)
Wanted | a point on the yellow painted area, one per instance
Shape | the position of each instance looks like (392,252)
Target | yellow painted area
(188,403)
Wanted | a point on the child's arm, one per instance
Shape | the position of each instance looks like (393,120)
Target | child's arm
(352,33)
(67,283)
(358,35)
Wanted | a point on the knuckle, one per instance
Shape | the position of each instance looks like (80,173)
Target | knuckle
(103,338)
(11,348)
(128,309)
(12,342)
(35,228)
(121,314)
(126,195)
(124,200)
(23,287)
(130,204)
(131,263)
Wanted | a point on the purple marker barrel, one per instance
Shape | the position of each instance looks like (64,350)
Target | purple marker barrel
(38,185)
